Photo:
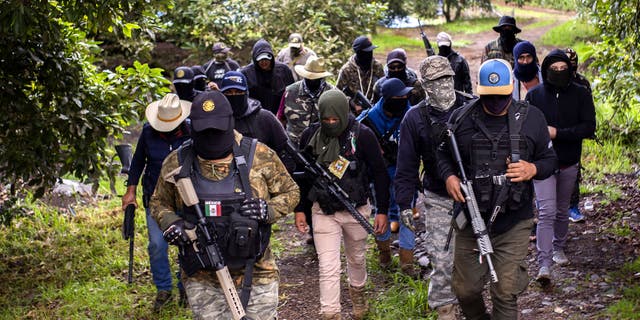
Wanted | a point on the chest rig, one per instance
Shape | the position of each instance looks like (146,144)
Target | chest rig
(241,240)
(491,152)
(354,181)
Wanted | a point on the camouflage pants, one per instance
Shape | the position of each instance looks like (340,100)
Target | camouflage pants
(207,300)
(437,221)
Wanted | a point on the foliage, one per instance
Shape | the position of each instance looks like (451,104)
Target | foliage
(328,27)
(629,306)
(616,64)
(60,109)
(566,5)
(570,34)
(405,299)
(452,9)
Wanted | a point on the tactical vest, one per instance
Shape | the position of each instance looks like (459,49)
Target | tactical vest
(239,238)
(490,153)
(354,181)
(389,148)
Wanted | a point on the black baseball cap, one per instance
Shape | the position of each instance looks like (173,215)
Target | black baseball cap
(363,43)
(211,110)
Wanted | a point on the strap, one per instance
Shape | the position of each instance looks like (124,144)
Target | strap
(462,113)
(185,159)
(494,140)
(517,115)
(243,155)
(245,293)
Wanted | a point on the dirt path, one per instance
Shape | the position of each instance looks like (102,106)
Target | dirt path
(581,290)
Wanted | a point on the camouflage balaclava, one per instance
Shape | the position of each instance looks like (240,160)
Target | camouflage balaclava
(437,82)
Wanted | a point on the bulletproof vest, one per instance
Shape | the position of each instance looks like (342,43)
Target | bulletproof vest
(238,237)
(490,154)
(354,181)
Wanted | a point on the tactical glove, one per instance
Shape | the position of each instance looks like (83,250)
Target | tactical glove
(406,216)
(176,235)
(256,209)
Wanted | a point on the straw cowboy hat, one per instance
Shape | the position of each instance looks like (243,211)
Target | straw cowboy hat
(167,114)
(313,69)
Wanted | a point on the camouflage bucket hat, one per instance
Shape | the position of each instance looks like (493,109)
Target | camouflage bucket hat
(435,67)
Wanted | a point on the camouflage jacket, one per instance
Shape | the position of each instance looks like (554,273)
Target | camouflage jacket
(493,50)
(352,76)
(301,108)
(284,56)
(269,180)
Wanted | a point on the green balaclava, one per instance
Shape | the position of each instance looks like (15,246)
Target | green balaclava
(325,142)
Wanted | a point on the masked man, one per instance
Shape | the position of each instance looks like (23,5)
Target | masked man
(295,54)
(502,48)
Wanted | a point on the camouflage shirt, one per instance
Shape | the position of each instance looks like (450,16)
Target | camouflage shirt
(301,108)
(494,50)
(269,180)
(352,76)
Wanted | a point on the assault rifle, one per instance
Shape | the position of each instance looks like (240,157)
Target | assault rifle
(205,245)
(479,228)
(358,97)
(326,181)
(128,233)
(425,41)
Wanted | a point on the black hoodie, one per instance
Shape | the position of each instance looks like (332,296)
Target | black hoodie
(266,86)
(570,110)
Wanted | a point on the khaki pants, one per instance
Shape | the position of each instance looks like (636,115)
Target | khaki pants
(328,233)
(469,276)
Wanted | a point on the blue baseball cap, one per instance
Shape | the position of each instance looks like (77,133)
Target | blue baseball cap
(233,80)
(394,88)
(495,77)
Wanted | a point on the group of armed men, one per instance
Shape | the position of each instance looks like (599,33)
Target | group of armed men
(220,162)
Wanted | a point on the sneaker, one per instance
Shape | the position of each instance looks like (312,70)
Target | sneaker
(162,298)
(575,215)
(560,258)
(544,276)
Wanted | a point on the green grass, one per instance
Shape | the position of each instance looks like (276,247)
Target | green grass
(387,40)
(405,299)
(629,306)
(573,33)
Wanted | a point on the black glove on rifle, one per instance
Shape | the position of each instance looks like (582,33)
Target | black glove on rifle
(175,234)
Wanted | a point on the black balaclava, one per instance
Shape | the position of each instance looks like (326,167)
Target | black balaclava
(294,51)
(401,74)
(364,59)
(495,103)
(444,51)
(200,84)
(239,104)
(396,107)
(212,144)
(557,79)
(313,84)
(507,39)
(185,91)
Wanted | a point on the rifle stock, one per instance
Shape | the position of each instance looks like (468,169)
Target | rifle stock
(358,97)
(477,223)
(325,181)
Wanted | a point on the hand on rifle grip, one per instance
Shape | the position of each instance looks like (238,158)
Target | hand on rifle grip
(176,233)
(256,209)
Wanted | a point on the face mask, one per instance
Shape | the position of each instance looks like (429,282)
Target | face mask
(495,103)
(185,91)
(442,95)
(525,72)
(401,74)
(313,84)
(200,84)
(213,144)
(331,129)
(444,51)
(396,107)
(239,104)
(364,59)
(559,79)
(295,51)
(220,57)
(508,40)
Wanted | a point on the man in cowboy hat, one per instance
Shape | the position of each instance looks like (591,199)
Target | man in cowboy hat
(502,47)
(299,108)
(165,131)
(220,64)
(295,54)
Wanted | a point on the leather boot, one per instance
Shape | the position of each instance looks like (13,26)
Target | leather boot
(446,312)
(407,265)
(384,253)
(331,316)
(359,301)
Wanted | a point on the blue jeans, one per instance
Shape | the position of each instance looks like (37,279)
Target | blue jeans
(406,237)
(158,256)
